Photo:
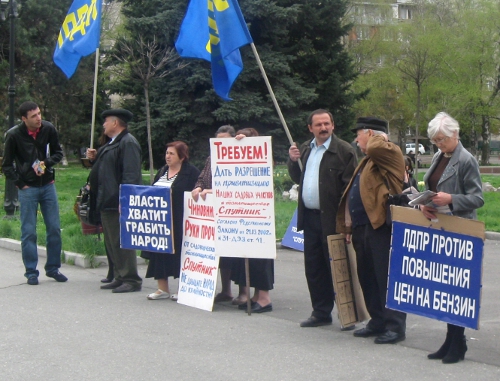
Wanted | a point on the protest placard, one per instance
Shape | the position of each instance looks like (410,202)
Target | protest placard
(146,218)
(348,294)
(293,239)
(199,264)
(435,267)
(242,177)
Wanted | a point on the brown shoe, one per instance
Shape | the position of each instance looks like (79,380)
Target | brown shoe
(112,285)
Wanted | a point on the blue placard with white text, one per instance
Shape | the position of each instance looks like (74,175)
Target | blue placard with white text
(146,218)
(436,274)
(293,239)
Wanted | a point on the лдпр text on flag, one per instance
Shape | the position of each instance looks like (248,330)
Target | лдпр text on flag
(215,33)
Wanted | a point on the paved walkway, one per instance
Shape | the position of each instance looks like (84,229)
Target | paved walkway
(75,331)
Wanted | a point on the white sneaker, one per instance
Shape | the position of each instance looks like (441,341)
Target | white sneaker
(160,294)
(174,297)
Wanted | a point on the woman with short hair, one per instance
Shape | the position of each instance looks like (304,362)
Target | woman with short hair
(454,176)
(180,176)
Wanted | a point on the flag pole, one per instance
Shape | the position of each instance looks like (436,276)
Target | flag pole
(94,100)
(273,97)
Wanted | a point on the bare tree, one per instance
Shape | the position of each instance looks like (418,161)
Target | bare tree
(147,60)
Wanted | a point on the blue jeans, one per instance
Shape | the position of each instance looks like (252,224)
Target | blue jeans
(29,199)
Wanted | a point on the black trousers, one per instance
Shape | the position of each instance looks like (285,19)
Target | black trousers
(372,257)
(317,265)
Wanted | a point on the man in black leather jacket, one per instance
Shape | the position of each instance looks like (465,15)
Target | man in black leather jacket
(118,162)
(31,151)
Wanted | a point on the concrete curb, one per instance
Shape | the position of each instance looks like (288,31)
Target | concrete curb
(81,261)
(69,258)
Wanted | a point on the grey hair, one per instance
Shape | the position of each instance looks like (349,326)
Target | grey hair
(443,123)
(227,129)
(375,132)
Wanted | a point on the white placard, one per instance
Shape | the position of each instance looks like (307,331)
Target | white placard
(199,264)
(242,179)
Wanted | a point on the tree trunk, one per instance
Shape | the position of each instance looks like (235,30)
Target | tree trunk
(485,134)
(148,127)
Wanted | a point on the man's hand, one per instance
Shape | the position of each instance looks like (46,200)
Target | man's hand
(348,238)
(91,153)
(294,153)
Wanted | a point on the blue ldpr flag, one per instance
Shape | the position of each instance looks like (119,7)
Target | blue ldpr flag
(215,33)
(79,35)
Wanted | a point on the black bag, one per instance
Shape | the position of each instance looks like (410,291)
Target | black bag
(83,207)
(397,200)
(394,199)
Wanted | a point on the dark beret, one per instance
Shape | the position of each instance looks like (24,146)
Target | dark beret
(121,113)
(370,124)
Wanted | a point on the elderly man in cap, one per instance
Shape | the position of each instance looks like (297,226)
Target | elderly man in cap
(328,165)
(362,214)
(118,162)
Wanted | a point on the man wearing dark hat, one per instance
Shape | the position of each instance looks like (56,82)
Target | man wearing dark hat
(328,164)
(118,162)
(362,214)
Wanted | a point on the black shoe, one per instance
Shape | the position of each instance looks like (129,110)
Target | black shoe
(258,309)
(58,276)
(367,332)
(314,321)
(106,280)
(32,280)
(112,285)
(126,287)
(457,350)
(243,306)
(439,355)
(390,338)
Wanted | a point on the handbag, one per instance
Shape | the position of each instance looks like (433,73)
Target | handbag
(400,199)
(85,213)
(397,200)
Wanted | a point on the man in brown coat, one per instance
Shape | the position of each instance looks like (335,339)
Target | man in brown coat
(362,213)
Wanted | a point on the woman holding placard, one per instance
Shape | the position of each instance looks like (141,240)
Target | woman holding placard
(180,176)
(454,176)
(261,270)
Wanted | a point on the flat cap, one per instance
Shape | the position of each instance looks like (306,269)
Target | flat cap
(370,123)
(121,113)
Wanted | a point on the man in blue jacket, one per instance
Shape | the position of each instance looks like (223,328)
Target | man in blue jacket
(31,150)
(117,162)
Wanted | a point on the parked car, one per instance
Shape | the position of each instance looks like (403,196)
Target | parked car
(410,147)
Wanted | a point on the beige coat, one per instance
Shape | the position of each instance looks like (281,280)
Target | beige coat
(383,160)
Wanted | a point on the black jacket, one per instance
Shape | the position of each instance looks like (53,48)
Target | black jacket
(116,163)
(21,151)
(335,171)
(184,182)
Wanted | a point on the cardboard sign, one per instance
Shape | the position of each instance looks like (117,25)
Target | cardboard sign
(199,264)
(146,218)
(293,239)
(348,294)
(435,268)
(242,178)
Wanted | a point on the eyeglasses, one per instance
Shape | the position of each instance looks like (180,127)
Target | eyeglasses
(440,140)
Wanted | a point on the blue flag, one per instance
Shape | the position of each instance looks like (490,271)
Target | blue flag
(215,33)
(79,35)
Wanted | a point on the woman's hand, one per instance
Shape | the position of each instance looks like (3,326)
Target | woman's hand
(429,212)
(442,199)
(196,193)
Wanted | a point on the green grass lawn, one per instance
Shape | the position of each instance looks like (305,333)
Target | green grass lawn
(70,179)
